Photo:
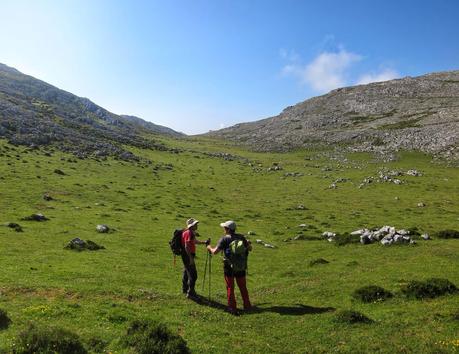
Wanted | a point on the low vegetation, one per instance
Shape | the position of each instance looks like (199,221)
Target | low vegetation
(371,293)
(97,295)
(429,288)
(351,317)
(146,337)
(41,339)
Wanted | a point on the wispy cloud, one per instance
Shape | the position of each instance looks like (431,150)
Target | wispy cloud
(331,69)
(326,72)
(384,75)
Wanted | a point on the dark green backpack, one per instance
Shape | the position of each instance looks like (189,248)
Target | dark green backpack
(237,255)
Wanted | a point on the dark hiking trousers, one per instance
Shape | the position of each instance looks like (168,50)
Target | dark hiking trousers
(190,275)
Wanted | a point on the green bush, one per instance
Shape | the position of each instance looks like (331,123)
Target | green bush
(4,320)
(37,339)
(346,238)
(97,345)
(318,261)
(429,288)
(371,293)
(351,317)
(147,337)
(448,234)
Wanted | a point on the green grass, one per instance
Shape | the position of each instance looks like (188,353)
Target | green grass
(97,294)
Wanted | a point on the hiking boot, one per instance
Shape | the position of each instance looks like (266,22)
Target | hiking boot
(192,296)
(232,312)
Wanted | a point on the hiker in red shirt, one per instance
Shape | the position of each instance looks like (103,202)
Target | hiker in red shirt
(235,248)
(190,274)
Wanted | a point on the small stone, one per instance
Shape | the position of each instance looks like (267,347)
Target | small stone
(35,217)
(421,205)
(47,197)
(102,228)
(251,233)
(425,237)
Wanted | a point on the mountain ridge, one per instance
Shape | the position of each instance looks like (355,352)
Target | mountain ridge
(420,113)
(33,112)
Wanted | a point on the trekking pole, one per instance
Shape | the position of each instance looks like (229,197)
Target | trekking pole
(205,271)
(210,272)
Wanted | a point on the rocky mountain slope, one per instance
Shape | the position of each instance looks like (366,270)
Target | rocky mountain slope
(33,112)
(420,113)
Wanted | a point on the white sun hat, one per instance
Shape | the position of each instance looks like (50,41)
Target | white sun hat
(230,224)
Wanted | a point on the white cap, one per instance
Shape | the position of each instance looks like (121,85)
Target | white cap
(191,222)
(230,224)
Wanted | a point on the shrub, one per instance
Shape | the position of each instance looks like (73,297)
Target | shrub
(430,288)
(351,317)
(146,337)
(35,339)
(346,238)
(97,345)
(4,320)
(371,293)
(448,234)
(318,261)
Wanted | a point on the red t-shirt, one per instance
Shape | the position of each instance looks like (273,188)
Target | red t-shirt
(189,240)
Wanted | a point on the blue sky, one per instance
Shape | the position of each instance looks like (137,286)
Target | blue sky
(199,65)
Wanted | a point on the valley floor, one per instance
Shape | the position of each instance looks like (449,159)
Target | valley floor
(96,294)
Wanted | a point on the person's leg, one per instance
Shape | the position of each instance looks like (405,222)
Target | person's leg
(242,284)
(192,277)
(185,274)
(229,280)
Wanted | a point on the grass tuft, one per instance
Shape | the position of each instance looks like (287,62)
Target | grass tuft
(429,288)
(37,339)
(351,317)
(5,321)
(318,261)
(147,337)
(371,293)
(448,234)
(346,238)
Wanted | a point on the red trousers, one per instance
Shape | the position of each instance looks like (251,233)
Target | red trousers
(241,283)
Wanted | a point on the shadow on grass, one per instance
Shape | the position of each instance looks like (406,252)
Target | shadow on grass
(294,310)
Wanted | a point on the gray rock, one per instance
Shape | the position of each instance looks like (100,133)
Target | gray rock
(425,237)
(102,228)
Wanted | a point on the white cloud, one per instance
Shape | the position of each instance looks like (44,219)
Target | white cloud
(384,75)
(326,72)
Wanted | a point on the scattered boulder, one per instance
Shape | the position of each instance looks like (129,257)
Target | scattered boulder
(388,235)
(371,293)
(78,244)
(47,197)
(414,173)
(14,226)
(351,317)
(421,205)
(267,245)
(35,217)
(429,288)
(425,237)
(103,229)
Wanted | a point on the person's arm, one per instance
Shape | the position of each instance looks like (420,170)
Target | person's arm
(213,250)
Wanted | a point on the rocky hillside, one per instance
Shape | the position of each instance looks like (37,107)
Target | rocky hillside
(35,113)
(420,113)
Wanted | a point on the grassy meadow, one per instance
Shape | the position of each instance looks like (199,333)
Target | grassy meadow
(96,294)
